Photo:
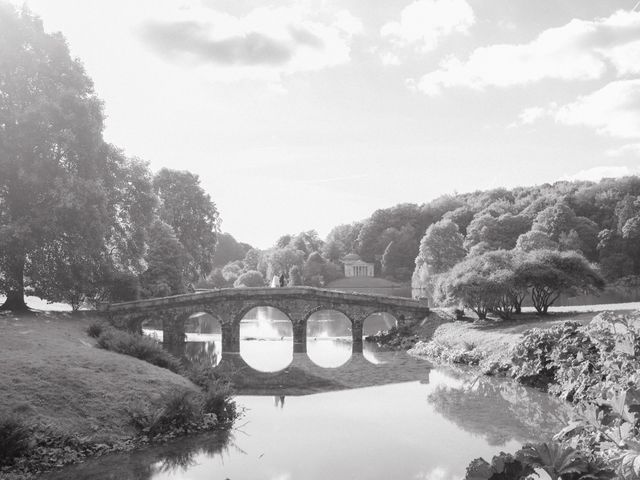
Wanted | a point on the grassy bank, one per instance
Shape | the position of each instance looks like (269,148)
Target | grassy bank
(52,373)
(68,392)
(494,338)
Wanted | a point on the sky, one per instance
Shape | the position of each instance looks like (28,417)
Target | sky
(307,114)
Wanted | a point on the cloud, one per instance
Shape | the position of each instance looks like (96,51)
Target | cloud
(613,110)
(579,50)
(192,39)
(629,149)
(596,173)
(531,114)
(437,473)
(424,22)
(266,43)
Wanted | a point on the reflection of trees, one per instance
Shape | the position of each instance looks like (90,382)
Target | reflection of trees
(179,455)
(500,411)
(201,353)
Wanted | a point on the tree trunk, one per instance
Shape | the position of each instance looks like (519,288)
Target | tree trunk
(15,295)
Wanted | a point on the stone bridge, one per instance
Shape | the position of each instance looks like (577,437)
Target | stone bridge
(230,305)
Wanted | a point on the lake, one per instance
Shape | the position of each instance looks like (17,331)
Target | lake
(328,414)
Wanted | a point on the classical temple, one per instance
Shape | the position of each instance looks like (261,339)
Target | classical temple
(354,266)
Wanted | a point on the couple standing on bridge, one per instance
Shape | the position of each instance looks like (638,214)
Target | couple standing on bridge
(279,281)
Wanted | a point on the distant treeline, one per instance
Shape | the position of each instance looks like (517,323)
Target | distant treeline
(410,242)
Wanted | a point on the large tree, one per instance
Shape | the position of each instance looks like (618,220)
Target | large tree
(441,247)
(398,259)
(167,262)
(496,232)
(193,216)
(485,283)
(228,249)
(550,273)
(52,157)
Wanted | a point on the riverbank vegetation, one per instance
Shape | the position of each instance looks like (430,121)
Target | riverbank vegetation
(591,364)
(64,398)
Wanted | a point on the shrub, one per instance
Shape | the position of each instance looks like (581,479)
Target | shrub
(217,400)
(202,374)
(14,438)
(252,278)
(444,353)
(139,346)
(178,410)
(95,328)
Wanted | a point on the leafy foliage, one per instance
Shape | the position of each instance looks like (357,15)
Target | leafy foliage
(139,346)
(167,261)
(179,409)
(189,210)
(596,367)
(251,278)
(14,438)
(52,157)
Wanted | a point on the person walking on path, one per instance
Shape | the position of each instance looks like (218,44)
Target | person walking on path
(282,280)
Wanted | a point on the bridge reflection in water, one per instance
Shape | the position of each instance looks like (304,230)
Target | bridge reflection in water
(301,375)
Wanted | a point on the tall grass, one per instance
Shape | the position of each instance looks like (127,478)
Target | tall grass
(218,399)
(180,409)
(139,346)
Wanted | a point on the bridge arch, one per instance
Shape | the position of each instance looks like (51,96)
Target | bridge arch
(266,338)
(379,321)
(329,336)
(375,324)
(203,338)
(321,307)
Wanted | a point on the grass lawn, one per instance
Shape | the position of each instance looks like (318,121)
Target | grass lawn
(51,372)
(496,336)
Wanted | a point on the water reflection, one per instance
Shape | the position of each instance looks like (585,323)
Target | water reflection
(278,400)
(266,339)
(329,339)
(172,460)
(497,409)
(375,415)
(203,351)
(433,424)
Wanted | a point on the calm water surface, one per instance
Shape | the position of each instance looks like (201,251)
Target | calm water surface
(381,415)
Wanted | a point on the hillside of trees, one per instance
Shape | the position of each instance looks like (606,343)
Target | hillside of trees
(600,222)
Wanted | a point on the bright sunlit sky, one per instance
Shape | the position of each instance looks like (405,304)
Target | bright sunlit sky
(308,114)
